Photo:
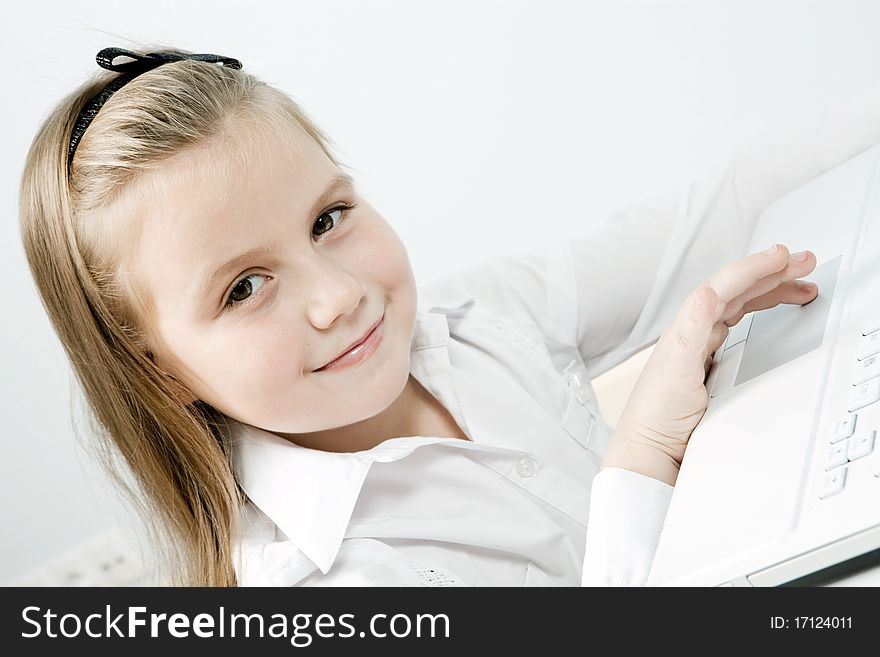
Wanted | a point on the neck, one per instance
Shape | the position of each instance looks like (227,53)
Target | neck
(400,419)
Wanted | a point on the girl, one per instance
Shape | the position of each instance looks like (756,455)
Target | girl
(247,332)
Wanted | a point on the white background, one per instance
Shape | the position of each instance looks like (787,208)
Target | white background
(475,128)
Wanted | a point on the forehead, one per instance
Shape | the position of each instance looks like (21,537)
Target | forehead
(220,198)
(240,172)
(247,157)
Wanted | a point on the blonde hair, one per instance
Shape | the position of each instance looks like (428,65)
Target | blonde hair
(178,452)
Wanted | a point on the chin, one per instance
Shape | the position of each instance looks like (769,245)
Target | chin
(384,388)
(359,405)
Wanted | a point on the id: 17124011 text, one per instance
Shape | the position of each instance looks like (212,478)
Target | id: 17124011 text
(811,622)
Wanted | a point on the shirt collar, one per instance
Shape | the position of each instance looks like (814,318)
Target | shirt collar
(310,494)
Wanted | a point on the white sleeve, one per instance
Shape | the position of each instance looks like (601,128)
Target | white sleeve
(611,291)
(657,251)
(627,511)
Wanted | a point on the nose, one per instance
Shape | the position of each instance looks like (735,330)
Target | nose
(333,292)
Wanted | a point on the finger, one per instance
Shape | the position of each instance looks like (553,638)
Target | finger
(707,365)
(795,269)
(799,292)
(736,278)
(717,337)
(693,327)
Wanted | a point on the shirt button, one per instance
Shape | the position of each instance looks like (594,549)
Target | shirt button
(525,467)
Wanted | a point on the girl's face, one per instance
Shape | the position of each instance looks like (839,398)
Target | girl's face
(261,272)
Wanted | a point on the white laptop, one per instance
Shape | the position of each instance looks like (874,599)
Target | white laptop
(780,483)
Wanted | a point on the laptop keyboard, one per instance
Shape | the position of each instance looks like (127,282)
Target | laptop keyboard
(849,439)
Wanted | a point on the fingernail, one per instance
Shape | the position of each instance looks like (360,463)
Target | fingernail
(773,249)
(807,285)
(800,256)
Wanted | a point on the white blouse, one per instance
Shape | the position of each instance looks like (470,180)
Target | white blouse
(509,346)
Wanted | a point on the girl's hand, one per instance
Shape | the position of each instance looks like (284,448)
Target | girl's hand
(670,396)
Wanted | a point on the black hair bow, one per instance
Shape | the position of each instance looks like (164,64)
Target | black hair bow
(140,63)
(151,60)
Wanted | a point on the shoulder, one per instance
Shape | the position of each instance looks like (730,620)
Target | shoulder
(529,288)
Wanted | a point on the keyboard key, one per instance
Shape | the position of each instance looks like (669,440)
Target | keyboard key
(866,369)
(860,444)
(872,325)
(836,455)
(843,428)
(833,483)
(869,345)
(864,394)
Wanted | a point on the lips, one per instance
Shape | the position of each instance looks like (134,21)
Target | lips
(355,344)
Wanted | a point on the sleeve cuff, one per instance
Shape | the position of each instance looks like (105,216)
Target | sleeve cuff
(627,511)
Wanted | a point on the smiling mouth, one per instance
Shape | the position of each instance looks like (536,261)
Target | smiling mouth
(358,351)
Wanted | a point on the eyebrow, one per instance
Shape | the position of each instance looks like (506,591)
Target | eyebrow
(340,181)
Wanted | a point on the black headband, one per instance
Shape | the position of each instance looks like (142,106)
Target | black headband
(130,70)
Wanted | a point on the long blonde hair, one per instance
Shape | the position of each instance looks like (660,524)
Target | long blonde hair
(178,452)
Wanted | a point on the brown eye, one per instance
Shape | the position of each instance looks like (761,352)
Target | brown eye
(241,291)
(326,225)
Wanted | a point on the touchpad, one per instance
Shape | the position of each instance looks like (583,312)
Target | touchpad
(783,333)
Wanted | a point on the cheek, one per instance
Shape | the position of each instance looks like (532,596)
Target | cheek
(276,361)
(382,255)
(260,372)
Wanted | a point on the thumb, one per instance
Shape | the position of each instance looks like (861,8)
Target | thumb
(693,330)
